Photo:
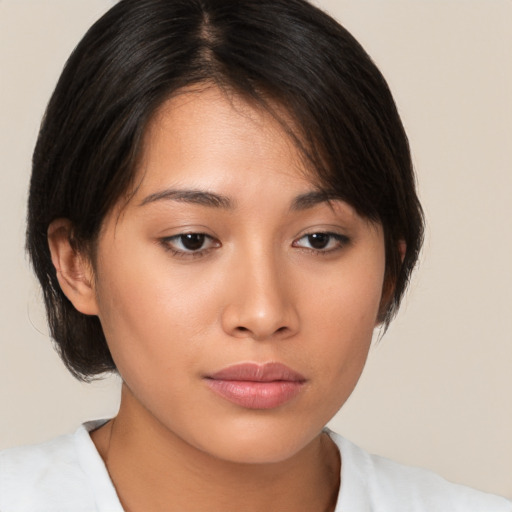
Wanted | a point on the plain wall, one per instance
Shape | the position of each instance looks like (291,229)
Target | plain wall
(436,391)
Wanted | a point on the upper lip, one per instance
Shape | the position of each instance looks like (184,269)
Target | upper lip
(255,372)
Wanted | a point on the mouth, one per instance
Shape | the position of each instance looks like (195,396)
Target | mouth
(257,386)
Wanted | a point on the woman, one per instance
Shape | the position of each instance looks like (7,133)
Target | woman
(222,209)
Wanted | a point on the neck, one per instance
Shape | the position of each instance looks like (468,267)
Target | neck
(155,470)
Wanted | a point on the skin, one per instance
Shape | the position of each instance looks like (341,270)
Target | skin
(256,291)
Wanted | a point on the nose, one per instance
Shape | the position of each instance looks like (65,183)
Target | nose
(261,304)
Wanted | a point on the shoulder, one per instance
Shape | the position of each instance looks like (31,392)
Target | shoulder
(47,477)
(370,482)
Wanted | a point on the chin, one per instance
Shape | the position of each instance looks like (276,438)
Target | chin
(257,444)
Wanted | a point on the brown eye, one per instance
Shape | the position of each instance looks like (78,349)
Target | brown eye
(321,242)
(193,244)
(318,240)
(192,241)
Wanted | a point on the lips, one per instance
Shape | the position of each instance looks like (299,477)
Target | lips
(257,386)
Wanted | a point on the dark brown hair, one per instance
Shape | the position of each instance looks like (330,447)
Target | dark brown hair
(143,51)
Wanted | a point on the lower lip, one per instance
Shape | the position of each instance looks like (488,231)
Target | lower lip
(256,395)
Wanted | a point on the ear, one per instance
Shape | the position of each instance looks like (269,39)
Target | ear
(74,271)
(402,248)
(388,288)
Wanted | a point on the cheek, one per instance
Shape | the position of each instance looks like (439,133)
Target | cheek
(347,298)
(151,316)
(341,318)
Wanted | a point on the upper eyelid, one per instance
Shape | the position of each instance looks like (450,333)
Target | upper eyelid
(179,235)
(342,240)
(187,231)
(214,241)
(213,237)
(325,231)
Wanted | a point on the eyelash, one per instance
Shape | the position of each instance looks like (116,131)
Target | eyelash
(179,253)
(167,242)
(342,241)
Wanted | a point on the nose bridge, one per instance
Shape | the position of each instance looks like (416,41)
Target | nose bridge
(260,303)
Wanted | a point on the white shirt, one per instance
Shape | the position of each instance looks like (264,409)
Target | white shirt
(67,474)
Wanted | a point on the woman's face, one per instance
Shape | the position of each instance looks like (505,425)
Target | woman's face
(227,256)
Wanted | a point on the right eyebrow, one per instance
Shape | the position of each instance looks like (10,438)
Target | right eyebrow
(200,197)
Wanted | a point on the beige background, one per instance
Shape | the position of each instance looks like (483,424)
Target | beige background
(437,389)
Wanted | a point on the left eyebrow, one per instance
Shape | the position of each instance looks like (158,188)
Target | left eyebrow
(199,197)
(310,199)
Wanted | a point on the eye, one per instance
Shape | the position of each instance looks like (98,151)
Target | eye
(321,242)
(189,243)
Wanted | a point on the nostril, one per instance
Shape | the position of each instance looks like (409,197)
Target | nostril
(244,330)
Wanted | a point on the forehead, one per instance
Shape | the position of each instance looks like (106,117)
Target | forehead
(204,147)
(207,129)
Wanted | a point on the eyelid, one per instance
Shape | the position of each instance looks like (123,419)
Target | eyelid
(167,243)
(341,239)
(171,242)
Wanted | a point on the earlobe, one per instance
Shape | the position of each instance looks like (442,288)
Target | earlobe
(385,301)
(388,288)
(402,248)
(74,271)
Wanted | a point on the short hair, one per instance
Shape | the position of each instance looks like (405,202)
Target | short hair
(281,52)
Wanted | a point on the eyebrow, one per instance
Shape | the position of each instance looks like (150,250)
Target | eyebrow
(198,197)
(213,200)
(311,199)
